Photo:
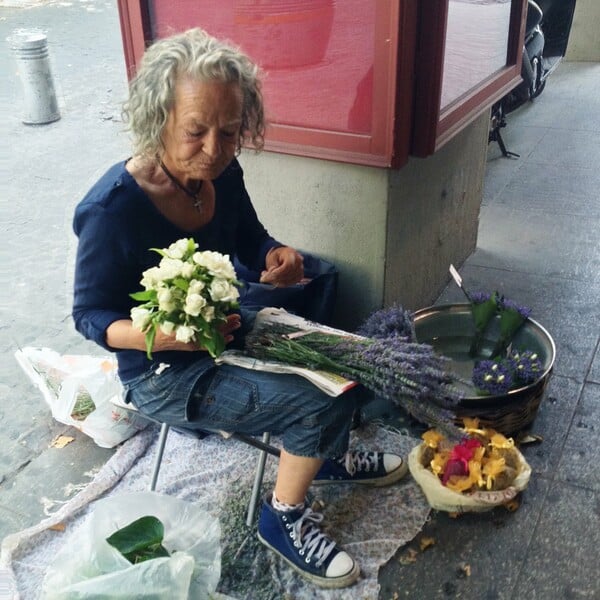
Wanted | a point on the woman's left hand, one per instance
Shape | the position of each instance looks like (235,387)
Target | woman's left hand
(284,266)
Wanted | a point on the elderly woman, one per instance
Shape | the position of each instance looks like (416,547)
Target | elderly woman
(192,104)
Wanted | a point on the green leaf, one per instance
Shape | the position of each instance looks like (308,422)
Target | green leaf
(159,251)
(510,322)
(140,540)
(191,247)
(143,296)
(483,313)
(181,283)
(150,336)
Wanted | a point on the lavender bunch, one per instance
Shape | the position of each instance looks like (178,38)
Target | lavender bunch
(406,373)
(526,365)
(389,322)
(492,377)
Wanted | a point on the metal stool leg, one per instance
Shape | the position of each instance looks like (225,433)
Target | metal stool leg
(258,477)
(162,439)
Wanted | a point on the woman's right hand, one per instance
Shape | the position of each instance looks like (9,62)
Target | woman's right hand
(121,335)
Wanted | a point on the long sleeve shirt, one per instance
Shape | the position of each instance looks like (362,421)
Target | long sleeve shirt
(117,224)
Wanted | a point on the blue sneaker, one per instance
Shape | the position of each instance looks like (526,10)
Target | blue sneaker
(298,539)
(368,468)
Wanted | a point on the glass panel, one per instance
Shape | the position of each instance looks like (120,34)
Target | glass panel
(317,55)
(476,45)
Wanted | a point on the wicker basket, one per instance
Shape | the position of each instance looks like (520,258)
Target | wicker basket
(449,328)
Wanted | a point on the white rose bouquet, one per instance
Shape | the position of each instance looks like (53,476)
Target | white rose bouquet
(189,293)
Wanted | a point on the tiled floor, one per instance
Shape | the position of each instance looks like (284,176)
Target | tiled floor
(539,243)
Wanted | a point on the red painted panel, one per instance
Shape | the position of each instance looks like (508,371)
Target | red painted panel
(317,55)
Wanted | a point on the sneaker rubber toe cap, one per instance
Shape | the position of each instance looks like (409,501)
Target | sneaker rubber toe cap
(341,565)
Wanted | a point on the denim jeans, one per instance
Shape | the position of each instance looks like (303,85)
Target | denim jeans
(205,397)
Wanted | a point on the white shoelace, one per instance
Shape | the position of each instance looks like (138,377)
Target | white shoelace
(310,539)
(360,461)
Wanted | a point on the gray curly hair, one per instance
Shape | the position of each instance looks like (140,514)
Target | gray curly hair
(195,53)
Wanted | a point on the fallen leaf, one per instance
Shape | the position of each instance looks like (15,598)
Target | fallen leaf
(425,542)
(530,438)
(409,557)
(58,527)
(61,441)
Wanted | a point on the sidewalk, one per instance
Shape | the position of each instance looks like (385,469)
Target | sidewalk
(539,243)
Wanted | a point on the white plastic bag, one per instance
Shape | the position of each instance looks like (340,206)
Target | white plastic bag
(67,381)
(88,567)
(442,498)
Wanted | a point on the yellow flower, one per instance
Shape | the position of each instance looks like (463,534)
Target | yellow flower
(438,462)
(492,468)
(475,472)
(432,438)
(459,483)
(499,441)
(471,426)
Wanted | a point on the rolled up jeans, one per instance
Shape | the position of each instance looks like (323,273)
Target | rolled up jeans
(202,397)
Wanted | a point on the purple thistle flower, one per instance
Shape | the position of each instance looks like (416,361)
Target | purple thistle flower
(389,322)
(526,365)
(492,377)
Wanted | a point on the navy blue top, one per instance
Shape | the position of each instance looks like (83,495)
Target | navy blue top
(117,224)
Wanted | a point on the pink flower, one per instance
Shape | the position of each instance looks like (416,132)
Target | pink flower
(461,454)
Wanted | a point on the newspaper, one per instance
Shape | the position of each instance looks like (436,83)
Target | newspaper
(330,383)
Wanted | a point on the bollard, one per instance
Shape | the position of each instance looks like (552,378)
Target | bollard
(30,48)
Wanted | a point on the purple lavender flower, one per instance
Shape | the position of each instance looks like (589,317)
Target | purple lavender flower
(526,365)
(388,322)
(492,377)
(479,297)
(511,305)
(409,374)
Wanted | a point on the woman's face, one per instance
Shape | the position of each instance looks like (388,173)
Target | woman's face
(202,129)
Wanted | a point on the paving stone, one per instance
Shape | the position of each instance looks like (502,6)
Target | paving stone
(562,558)
(493,545)
(581,453)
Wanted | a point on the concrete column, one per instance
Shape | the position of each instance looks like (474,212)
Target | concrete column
(392,234)
(584,41)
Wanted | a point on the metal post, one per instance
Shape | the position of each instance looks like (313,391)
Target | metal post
(258,477)
(30,48)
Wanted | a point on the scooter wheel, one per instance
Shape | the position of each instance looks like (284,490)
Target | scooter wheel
(539,89)
(537,84)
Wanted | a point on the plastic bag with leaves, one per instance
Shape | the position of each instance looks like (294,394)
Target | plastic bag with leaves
(87,566)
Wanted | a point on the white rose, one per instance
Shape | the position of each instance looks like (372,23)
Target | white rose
(166,300)
(151,278)
(196,286)
(140,317)
(187,270)
(208,313)
(223,291)
(218,264)
(184,333)
(167,327)
(194,303)
(178,249)
(169,268)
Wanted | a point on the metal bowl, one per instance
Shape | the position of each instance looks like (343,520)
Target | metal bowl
(449,328)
